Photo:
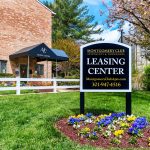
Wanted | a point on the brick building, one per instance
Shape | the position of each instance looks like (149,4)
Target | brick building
(24,23)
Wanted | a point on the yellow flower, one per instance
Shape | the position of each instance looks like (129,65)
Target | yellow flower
(79,116)
(149,141)
(97,120)
(131,118)
(87,129)
(102,116)
(124,124)
(118,132)
(121,132)
(72,116)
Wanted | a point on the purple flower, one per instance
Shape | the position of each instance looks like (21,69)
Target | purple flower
(137,125)
(94,134)
(89,115)
(136,131)
(109,119)
(73,120)
(87,135)
(131,130)
(117,115)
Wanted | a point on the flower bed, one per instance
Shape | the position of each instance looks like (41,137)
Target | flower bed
(113,130)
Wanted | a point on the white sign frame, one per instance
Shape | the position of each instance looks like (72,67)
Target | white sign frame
(105,90)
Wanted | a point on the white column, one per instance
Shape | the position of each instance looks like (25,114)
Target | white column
(56,69)
(28,69)
(47,68)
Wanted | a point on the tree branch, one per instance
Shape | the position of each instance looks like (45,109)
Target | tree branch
(143,25)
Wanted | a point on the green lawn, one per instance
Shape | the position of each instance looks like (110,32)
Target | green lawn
(14,92)
(27,121)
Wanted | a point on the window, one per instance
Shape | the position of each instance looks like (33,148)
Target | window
(3,66)
(39,68)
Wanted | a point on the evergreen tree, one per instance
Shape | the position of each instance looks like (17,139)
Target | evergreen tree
(72,20)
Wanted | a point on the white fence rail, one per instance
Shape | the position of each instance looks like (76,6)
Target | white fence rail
(55,86)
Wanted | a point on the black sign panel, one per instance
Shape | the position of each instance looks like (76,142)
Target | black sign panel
(105,67)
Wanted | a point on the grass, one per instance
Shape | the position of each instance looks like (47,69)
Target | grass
(27,121)
(14,92)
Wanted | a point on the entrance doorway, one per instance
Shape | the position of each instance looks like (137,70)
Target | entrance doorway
(23,71)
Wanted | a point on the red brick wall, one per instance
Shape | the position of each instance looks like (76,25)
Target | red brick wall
(23,23)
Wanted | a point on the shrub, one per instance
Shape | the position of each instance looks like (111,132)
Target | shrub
(69,83)
(7,83)
(39,83)
(5,75)
(146,78)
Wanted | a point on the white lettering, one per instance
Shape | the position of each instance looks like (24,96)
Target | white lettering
(89,70)
(106,71)
(105,61)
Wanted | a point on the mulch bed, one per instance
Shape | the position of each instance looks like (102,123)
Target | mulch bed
(72,133)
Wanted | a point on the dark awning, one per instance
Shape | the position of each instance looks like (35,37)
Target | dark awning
(41,52)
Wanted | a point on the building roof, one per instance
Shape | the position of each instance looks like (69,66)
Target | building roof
(60,53)
(41,52)
(46,7)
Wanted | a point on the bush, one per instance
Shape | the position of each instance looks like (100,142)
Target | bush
(39,83)
(69,83)
(7,83)
(6,75)
(146,78)
(71,77)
